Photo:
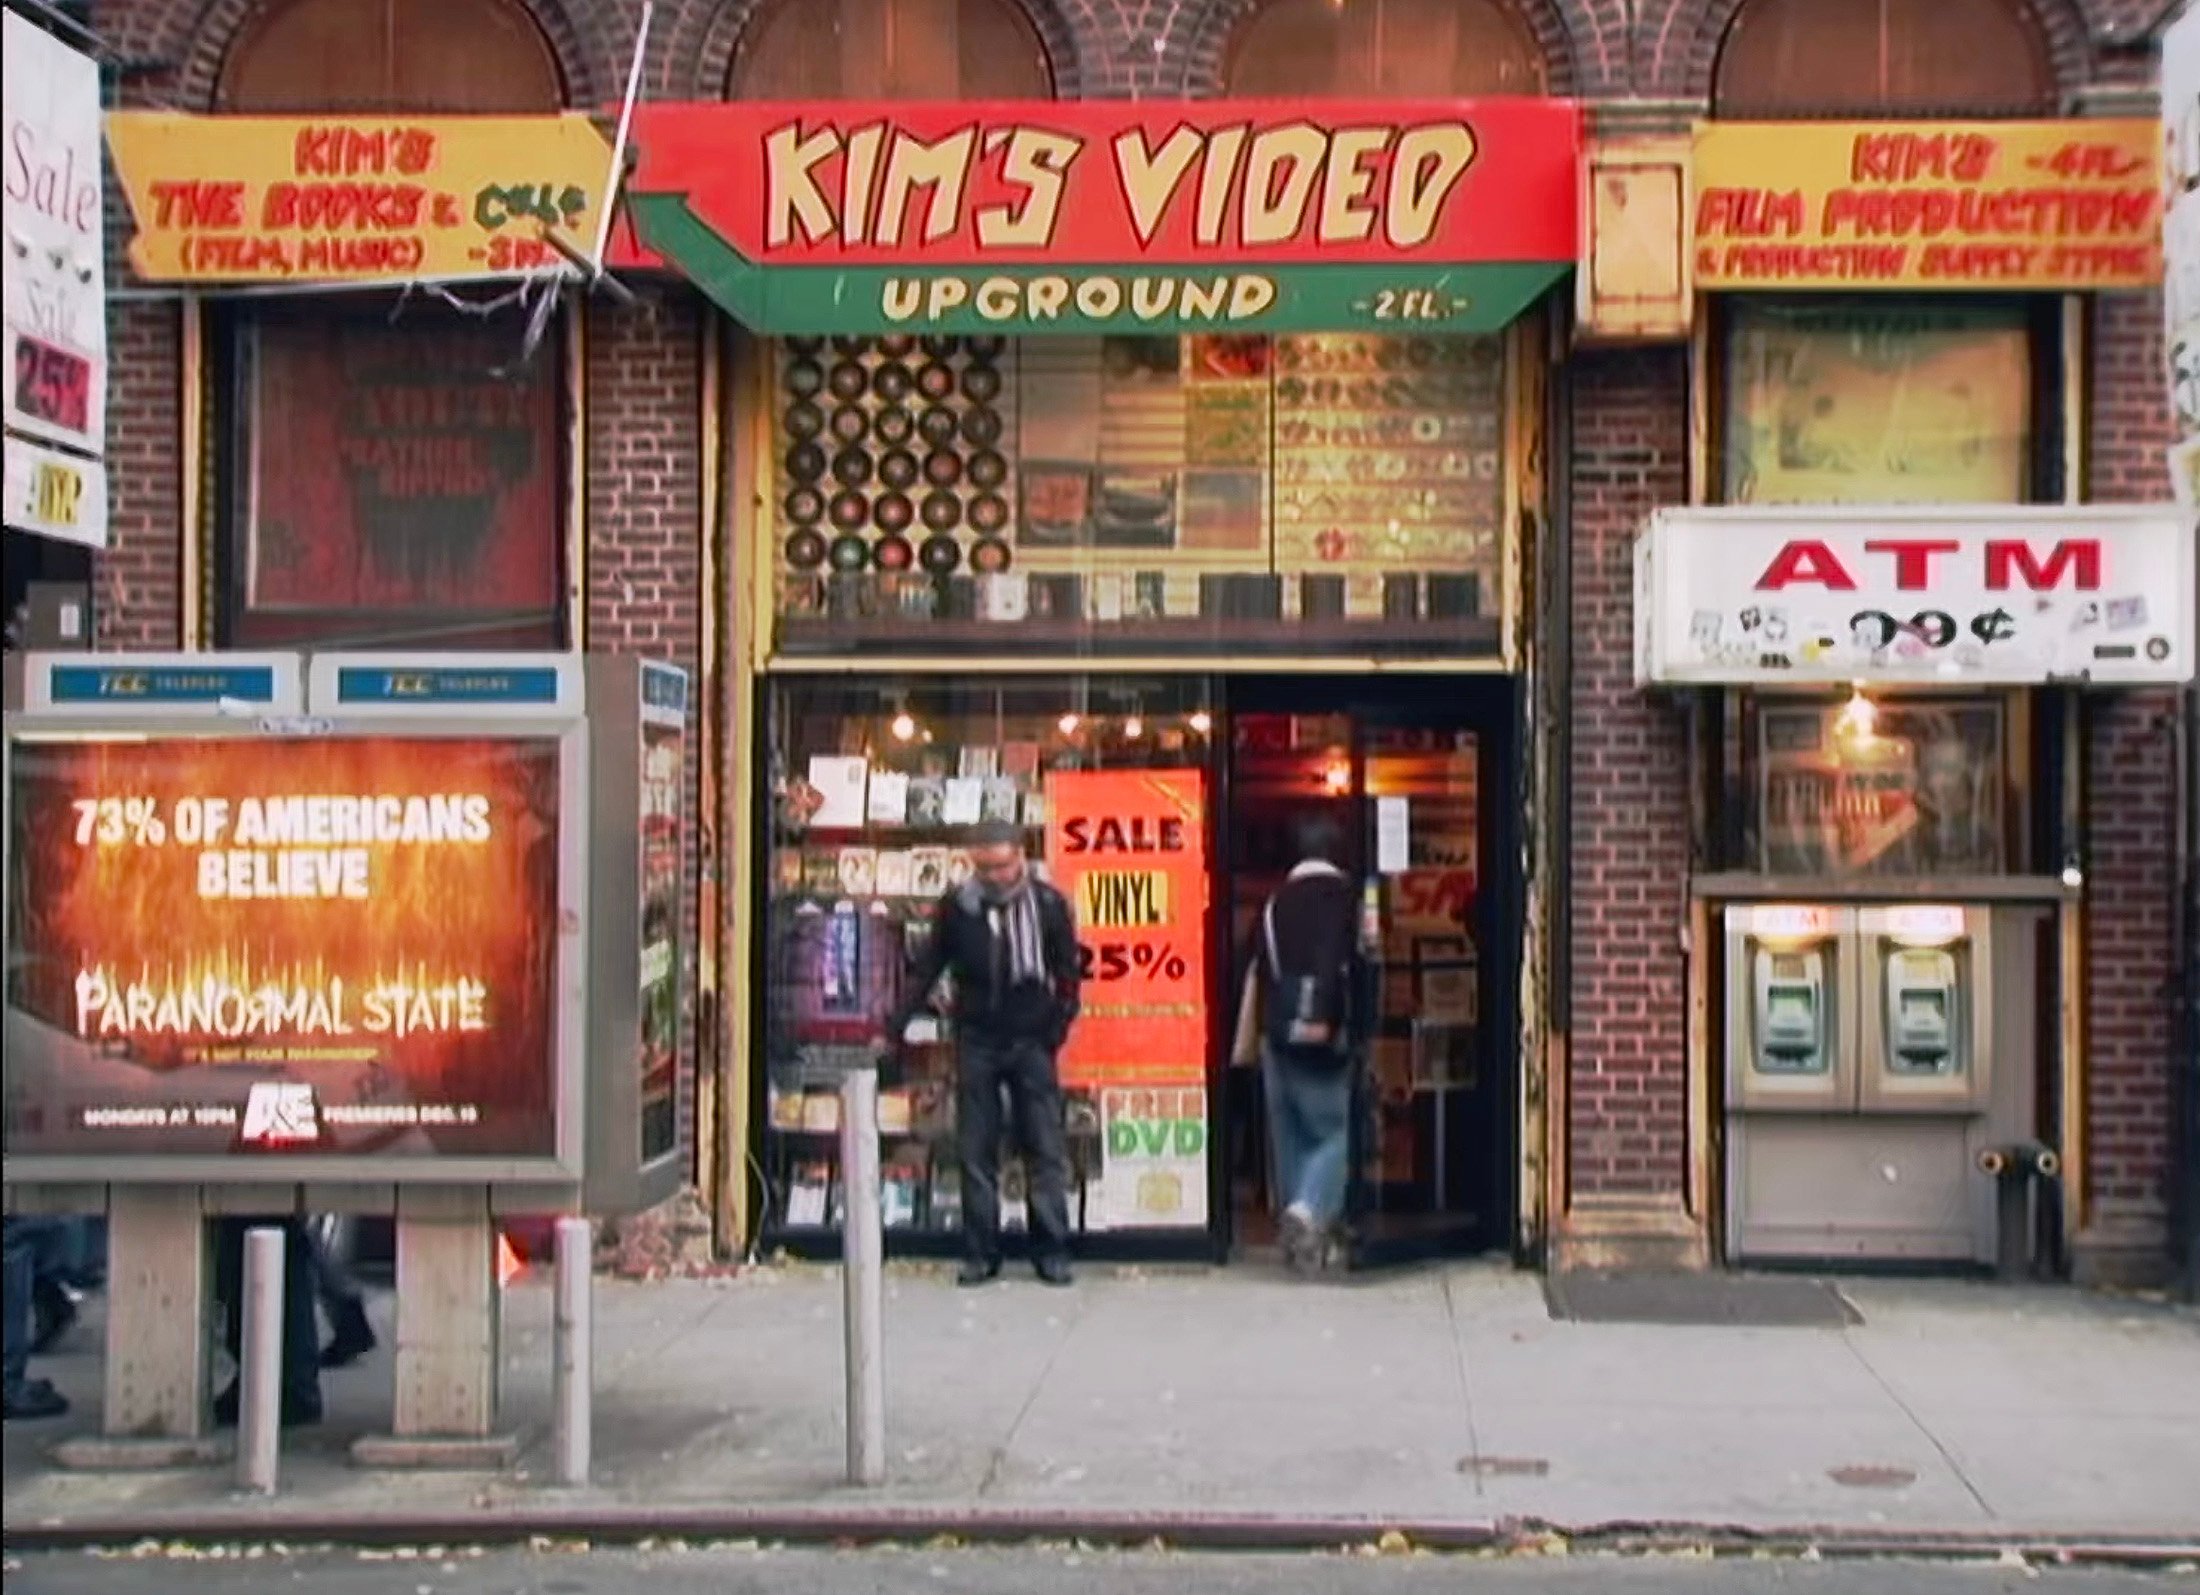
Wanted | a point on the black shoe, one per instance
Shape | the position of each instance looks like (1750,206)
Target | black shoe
(52,1313)
(296,1414)
(1052,1271)
(36,1399)
(353,1339)
(974,1272)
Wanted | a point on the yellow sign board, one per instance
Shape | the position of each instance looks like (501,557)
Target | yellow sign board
(1968,206)
(262,199)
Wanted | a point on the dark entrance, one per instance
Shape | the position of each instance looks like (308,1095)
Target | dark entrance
(1418,773)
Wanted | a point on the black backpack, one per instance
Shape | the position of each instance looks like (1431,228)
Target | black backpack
(1307,1012)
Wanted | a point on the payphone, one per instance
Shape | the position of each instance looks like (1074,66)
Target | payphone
(1867,1066)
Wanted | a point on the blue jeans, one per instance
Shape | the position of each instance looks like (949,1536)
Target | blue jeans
(32,1247)
(1309,1120)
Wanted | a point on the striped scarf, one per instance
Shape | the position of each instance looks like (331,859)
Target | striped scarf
(1014,921)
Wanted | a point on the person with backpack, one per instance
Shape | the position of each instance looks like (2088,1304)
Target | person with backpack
(1307,983)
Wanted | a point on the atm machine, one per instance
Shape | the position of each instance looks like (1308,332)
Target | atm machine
(1873,1054)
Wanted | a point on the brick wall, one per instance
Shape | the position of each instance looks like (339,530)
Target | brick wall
(2130,832)
(138,599)
(1628,1085)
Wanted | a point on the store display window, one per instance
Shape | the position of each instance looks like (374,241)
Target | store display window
(1879,402)
(396,480)
(873,792)
(1139,494)
(1861,788)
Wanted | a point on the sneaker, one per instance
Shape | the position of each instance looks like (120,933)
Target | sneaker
(1301,1242)
(1052,1271)
(974,1272)
(36,1398)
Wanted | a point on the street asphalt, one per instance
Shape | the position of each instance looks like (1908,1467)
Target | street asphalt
(1036,1570)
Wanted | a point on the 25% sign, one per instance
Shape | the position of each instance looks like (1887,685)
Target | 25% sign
(1119,960)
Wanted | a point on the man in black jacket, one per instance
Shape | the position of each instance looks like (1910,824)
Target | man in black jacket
(1010,941)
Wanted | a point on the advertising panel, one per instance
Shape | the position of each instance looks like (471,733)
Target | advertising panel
(274,199)
(1129,850)
(1976,595)
(243,947)
(1107,216)
(2015,206)
(663,784)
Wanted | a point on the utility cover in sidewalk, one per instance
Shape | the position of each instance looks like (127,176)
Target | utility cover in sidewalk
(1596,1296)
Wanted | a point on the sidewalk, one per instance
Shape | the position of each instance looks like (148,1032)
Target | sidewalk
(1236,1403)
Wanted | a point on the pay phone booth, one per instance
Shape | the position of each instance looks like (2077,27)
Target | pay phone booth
(1875,1055)
(366,933)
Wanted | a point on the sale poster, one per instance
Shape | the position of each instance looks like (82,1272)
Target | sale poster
(663,779)
(233,945)
(1128,848)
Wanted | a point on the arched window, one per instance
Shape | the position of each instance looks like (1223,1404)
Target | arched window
(479,56)
(395,471)
(1384,49)
(1883,58)
(890,50)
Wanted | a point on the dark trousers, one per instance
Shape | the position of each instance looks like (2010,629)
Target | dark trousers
(32,1251)
(301,1376)
(1025,1069)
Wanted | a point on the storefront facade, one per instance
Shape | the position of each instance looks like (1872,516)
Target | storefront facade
(1149,480)
(1002,456)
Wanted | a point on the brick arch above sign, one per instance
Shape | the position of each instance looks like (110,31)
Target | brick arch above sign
(430,56)
(1916,58)
(1384,49)
(889,50)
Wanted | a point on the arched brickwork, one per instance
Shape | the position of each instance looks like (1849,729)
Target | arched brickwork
(1692,32)
(193,38)
(702,55)
(1207,49)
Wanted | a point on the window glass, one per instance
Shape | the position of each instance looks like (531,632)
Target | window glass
(1905,787)
(873,794)
(396,482)
(1140,494)
(1893,403)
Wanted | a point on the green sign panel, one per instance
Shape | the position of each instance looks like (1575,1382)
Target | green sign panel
(1090,299)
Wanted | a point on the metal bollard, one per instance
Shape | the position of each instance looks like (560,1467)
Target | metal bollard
(863,1247)
(573,1375)
(260,1362)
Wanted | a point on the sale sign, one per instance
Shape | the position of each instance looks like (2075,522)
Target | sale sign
(246,946)
(1129,850)
(1937,205)
(355,199)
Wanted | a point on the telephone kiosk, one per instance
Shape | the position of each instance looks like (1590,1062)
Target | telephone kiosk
(1873,1054)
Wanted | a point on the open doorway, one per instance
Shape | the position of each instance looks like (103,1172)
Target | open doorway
(1417,776)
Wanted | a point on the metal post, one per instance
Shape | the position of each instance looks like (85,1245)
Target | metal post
(862,1276)
(574,1375)
(260,1374)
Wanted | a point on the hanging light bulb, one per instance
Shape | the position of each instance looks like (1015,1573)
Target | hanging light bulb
(1068,725)
(1859,716)
(1134,727)
(904,727)
(1338,778)
(1202,722)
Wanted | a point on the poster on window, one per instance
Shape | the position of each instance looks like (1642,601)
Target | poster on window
(1868,405)
(1888,789)
(1153,1169)
(1129,850)
(409,467)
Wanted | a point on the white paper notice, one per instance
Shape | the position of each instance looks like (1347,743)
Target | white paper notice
(889,798)
(1393,835)
(840,782)
(965,800)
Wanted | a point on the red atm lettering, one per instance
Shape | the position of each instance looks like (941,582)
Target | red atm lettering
(2075,562)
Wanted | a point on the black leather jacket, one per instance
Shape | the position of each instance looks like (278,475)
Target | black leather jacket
(963,942)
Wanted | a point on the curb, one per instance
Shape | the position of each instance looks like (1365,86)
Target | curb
(1217,1532)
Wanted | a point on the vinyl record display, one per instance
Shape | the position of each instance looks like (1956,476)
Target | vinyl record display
(989,557)
(897,447)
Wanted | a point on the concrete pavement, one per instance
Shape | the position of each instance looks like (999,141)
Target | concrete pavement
(1238,1405)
